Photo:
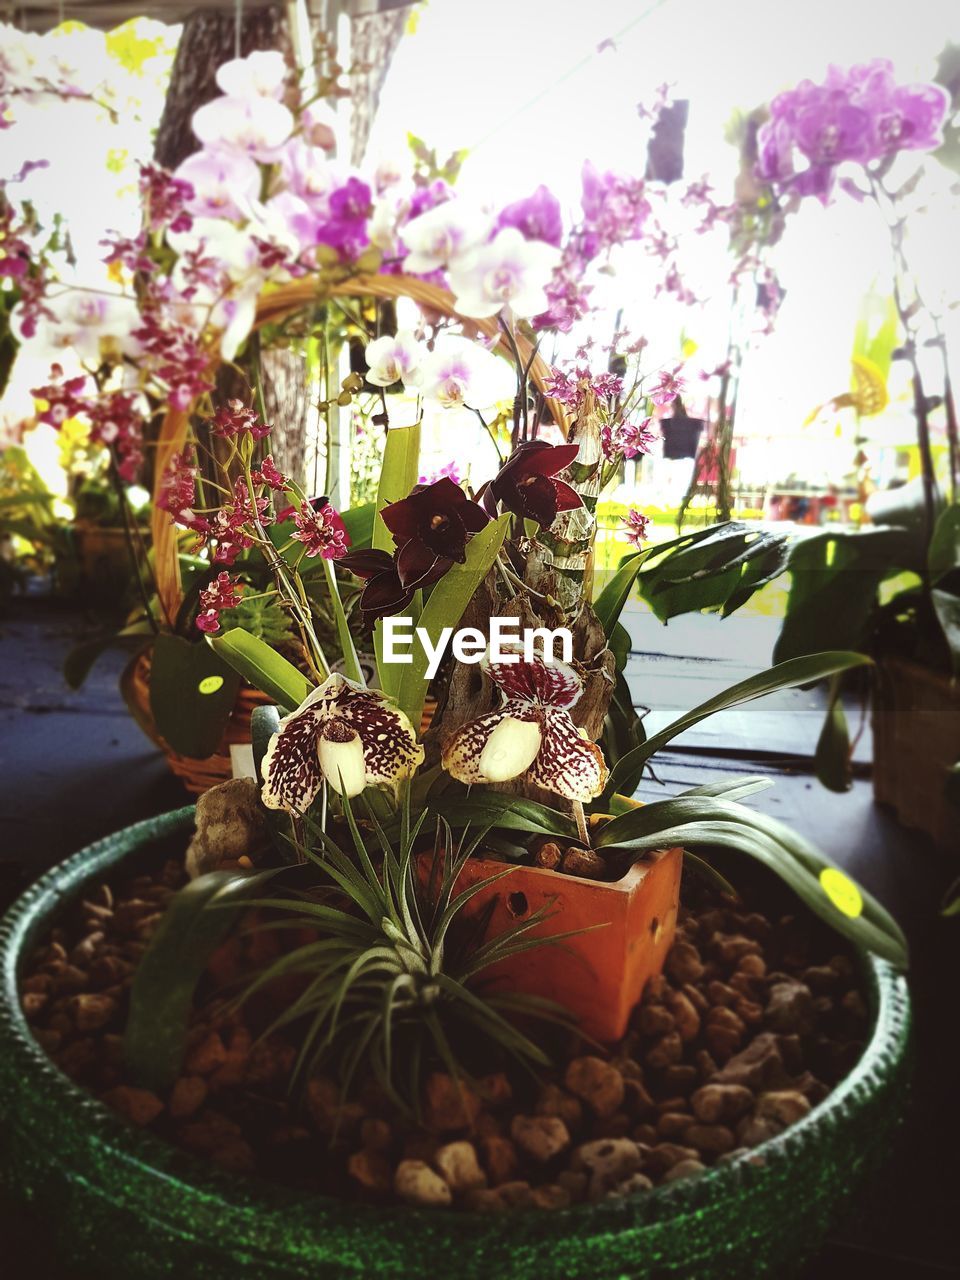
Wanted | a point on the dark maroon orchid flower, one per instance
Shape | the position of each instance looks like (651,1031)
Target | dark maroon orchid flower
(526,486)
(385,593)
(431,529)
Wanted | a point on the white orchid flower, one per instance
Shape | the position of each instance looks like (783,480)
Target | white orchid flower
(442,235)
(510,271)
(87,323)
(220,180)
(395,359)
(531,733)
(460,373)
(258,126)
(261,74)
(351,737)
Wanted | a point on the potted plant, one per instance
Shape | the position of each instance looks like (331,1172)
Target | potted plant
(428,945)
(371,912)
(889,589)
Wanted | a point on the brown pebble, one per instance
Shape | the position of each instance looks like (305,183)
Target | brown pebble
(540,1137)
(371,1170)
(548,856)
(499,1158)
(457,1163)
(719,1102)
(91,1011)
(673,1124)
(598,1083)
(206,1056)
(711,1139)
(139,1106)
(684,963)
(667,1050)
(188,1096)
(584,863)
(450,1104)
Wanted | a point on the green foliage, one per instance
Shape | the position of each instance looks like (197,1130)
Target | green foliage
(608,605)
(625,775)
(154,1042)
(715,568)
(192,693)
(392,981)
(262,667)
(697,818)
(834,583)
(448,599)
(262,616)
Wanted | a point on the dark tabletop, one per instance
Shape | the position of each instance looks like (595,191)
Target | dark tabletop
(75,766)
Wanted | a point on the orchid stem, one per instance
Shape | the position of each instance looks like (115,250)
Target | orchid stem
(581,819)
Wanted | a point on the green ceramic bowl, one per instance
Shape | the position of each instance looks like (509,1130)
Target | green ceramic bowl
(123,1204)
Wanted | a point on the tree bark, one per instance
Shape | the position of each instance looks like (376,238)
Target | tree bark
(209,39)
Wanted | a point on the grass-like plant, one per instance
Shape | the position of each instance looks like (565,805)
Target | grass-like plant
(393,982)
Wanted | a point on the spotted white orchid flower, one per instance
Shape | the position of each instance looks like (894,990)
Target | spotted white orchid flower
(352,737)
(531,732)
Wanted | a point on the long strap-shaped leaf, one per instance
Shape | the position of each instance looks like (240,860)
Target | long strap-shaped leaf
(625,776)
(262,666)
(155,1039)
(706,820)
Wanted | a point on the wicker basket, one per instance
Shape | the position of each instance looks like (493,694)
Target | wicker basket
(916,741)
(200,775)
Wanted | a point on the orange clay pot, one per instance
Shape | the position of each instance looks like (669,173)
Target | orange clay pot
(599,976)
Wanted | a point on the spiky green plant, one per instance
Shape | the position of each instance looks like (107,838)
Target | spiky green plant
(395,979)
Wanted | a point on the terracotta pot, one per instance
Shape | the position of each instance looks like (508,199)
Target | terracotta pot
(120,1203)
(598,975)
(916,743)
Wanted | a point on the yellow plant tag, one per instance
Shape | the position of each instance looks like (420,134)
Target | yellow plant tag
(210,684)
(842,892)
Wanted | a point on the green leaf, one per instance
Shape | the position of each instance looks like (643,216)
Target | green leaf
(711,568)
(506,812)
(785,675)
(832,757)
(192,693)
(448,599)
(609,603)
(80,659)
(833,588)
(358,522)
(698,820)
(162,994)
(943,554)
(262,667)
(946,605)
(351,663)
(398,475)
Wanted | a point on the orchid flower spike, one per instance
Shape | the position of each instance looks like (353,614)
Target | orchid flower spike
(352,737)
(531,733)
